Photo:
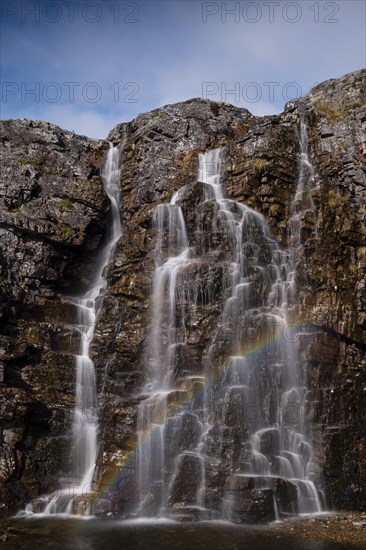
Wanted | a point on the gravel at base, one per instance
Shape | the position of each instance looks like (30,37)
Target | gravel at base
(339,527)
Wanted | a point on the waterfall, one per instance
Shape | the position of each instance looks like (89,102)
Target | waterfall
(172,254)
(85,425)
(302,206)
(262,286)
(69,499)
(248,419)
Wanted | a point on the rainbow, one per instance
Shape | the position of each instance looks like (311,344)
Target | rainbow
(119,474)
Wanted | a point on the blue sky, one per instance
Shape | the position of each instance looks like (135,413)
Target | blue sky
(87,66)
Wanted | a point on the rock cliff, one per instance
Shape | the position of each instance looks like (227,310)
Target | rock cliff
(53,220)
(53,215)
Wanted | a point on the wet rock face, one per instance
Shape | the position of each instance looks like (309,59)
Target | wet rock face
(52,217)
(250,500)
(53,213)
(170,137)
(262,163)
(186,483)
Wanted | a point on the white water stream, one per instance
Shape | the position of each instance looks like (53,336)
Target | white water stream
(274,444)
(68,499)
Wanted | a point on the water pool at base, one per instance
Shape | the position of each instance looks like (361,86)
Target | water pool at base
(76,534)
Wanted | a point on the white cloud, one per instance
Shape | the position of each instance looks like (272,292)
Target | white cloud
(171,52)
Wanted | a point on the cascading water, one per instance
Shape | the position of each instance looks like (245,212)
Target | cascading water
(165,336)
(68,499)
(236,449)
(302,206)
(261,291)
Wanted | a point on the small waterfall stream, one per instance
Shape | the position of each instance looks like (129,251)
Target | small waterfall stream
(302,206)
(68,500)
(166,334)
(249,417)
(85,425)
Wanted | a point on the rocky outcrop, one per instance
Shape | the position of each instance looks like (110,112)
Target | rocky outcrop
(53,213)
(52,216)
